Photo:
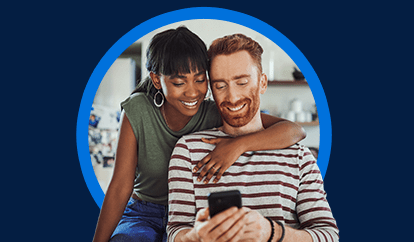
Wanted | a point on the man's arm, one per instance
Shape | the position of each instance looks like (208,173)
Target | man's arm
(314,213)
(258,228)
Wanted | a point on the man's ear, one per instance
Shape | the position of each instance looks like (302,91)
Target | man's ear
(263,83)
(156,80)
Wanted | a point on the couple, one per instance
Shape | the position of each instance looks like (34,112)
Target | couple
(171,104)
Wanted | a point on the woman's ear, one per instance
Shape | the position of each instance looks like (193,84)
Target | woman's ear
(155,80)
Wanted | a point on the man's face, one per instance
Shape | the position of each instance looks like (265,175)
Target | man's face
(236,86)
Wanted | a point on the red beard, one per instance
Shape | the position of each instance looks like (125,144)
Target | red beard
(242,117)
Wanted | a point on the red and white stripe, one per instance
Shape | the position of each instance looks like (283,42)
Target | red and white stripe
(285,185)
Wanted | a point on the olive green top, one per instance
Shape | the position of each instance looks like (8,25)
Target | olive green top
(155,141)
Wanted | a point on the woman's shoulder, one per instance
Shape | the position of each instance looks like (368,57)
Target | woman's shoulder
(137,104)
(139,109)
(209,115)
(210,105)
(210,109)
(138,98)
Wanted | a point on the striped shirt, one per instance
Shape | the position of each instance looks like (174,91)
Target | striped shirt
(285,185)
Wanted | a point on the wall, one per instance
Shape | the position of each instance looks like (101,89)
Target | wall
(117,84)
(208,30)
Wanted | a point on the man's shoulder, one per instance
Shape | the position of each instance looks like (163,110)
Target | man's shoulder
(194,139)
(209,134)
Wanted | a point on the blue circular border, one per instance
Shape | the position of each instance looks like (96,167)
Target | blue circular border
(190,14)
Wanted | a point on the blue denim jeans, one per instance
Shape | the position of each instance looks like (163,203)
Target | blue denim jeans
(142,221)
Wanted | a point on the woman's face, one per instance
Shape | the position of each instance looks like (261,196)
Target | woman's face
(184,92)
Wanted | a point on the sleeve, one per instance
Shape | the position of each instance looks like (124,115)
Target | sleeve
(314,213)
(134,114)
(181,198)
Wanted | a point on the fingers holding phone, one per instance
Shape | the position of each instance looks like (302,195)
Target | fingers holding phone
(226,226)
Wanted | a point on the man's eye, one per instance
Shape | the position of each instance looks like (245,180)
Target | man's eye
(178,84)
(220,86)
(241,83)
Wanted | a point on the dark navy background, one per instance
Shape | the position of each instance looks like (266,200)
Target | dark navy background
(362,54)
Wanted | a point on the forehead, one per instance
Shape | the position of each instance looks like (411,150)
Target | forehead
(228,66)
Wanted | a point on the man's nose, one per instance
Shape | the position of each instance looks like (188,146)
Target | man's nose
(232,95)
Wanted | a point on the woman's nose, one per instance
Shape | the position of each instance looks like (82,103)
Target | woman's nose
(191,91)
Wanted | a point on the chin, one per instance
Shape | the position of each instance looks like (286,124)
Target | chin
(190,112)
(237,122)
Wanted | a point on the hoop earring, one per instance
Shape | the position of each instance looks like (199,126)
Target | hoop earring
(155,99)
(208,94)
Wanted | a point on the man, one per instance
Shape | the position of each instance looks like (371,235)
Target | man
(282,190)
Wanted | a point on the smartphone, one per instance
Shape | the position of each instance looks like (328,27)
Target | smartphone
(220,201)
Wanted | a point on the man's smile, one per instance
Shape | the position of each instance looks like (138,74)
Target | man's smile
(236,108)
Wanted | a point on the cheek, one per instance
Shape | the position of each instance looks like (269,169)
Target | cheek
(217,98)
(203,88)
(170,93)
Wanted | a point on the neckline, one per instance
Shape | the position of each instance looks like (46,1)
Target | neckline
(187,128)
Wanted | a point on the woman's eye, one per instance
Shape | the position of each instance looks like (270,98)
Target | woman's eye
(178,84)
(201,81)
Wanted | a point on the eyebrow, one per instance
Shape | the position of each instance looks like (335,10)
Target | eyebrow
(182,77)
(241,76)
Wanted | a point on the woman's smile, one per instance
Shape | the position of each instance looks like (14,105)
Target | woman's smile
(190,104)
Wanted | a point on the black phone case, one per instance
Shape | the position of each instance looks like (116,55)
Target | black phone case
(220,201)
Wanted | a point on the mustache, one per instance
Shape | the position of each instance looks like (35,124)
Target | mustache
(234,105)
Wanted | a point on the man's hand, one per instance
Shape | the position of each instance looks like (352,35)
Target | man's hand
(226,226)
(258,228)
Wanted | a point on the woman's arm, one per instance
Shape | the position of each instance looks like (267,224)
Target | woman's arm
(281,133)
(278,134)
(121,185)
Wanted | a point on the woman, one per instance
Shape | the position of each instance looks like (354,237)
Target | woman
(164,107)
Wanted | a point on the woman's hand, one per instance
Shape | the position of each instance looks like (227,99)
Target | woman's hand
(227,151)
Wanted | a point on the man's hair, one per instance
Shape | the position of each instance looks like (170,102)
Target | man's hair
(237,42)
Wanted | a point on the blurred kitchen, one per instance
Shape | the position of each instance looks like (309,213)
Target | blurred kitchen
(288,94)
